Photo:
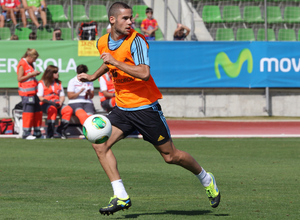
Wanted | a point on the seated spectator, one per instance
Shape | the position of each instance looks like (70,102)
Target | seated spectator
(80,96)
(14,37)
(52,97)
(56,34)
(2,20)
(35,9)
(88,31)
(181,32)
(149,25)
(12,10)
(107,92)
(32,36)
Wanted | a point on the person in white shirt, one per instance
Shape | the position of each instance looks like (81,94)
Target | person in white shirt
(52,97)
(80,96)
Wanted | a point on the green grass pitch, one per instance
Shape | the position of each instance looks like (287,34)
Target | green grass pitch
(259,178)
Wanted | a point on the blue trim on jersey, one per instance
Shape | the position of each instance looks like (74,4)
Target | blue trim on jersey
(139,50)
(140,107)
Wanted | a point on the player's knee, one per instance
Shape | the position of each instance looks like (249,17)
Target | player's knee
(171,158)
(100,149)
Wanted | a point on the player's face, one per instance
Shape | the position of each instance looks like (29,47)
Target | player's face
(122,23)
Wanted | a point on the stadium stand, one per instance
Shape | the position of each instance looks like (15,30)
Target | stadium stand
(225,34)
(98,13)
(23,33)
(252,14)
(232,14)
(261,35)
(79,14)
(286,35)
(245,34)
(55,13)
(44,35)
(212,14)
(216,14)
(5,33)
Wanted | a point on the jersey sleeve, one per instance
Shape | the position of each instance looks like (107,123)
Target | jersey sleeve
(139,51)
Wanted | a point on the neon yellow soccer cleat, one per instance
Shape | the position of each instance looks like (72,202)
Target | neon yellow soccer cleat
(213,192)
(115,204)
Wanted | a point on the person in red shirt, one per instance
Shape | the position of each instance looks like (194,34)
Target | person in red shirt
(149,25)
(11,9)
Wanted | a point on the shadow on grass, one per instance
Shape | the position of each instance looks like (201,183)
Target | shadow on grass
(175,212)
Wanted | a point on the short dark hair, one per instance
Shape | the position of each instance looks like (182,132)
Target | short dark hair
(82,69)
(57,29)
(115,7)
(32,36)
(149,10)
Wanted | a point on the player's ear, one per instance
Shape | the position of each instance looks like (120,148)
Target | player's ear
(112,19)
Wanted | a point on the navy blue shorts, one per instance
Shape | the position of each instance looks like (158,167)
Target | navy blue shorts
(150,122)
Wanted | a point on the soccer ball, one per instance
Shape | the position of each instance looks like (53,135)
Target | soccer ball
(97,129)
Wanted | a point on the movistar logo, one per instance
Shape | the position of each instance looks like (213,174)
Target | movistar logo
(233,69)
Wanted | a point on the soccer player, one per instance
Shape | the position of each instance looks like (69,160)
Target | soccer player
(125,54)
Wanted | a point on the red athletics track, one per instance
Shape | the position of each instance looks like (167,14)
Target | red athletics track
(214,128)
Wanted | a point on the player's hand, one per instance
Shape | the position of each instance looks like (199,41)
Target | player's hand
(108,59)
(83,77)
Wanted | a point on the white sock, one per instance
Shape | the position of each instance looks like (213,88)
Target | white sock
(204,178)
(119,189)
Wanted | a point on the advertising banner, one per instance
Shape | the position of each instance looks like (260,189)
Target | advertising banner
(185,64)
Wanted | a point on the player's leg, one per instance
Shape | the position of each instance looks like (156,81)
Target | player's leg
(172,155)
(120,200)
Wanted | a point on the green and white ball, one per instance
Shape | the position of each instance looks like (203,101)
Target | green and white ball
(97,129)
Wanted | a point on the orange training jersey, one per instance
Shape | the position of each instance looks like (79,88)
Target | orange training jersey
(130,92)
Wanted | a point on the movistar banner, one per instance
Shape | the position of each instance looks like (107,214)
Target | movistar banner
(225,64)
(173,64)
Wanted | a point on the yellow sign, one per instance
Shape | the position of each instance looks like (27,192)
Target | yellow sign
(87,48)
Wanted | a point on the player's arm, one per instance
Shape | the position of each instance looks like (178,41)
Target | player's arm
(89,78)
(139,51)
(141,71)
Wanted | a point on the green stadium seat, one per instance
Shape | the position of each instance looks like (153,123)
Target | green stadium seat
(98,13)
(286,35)
(56,13)
(5,33)
(159,35)
(232,13)
(141,10)
(23,33)
(261,35)
(211,14)
(245,34)
(44,35)
(225,34)
(252,14)
(66,33)
(79,14)
(274,15)
(292,14)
